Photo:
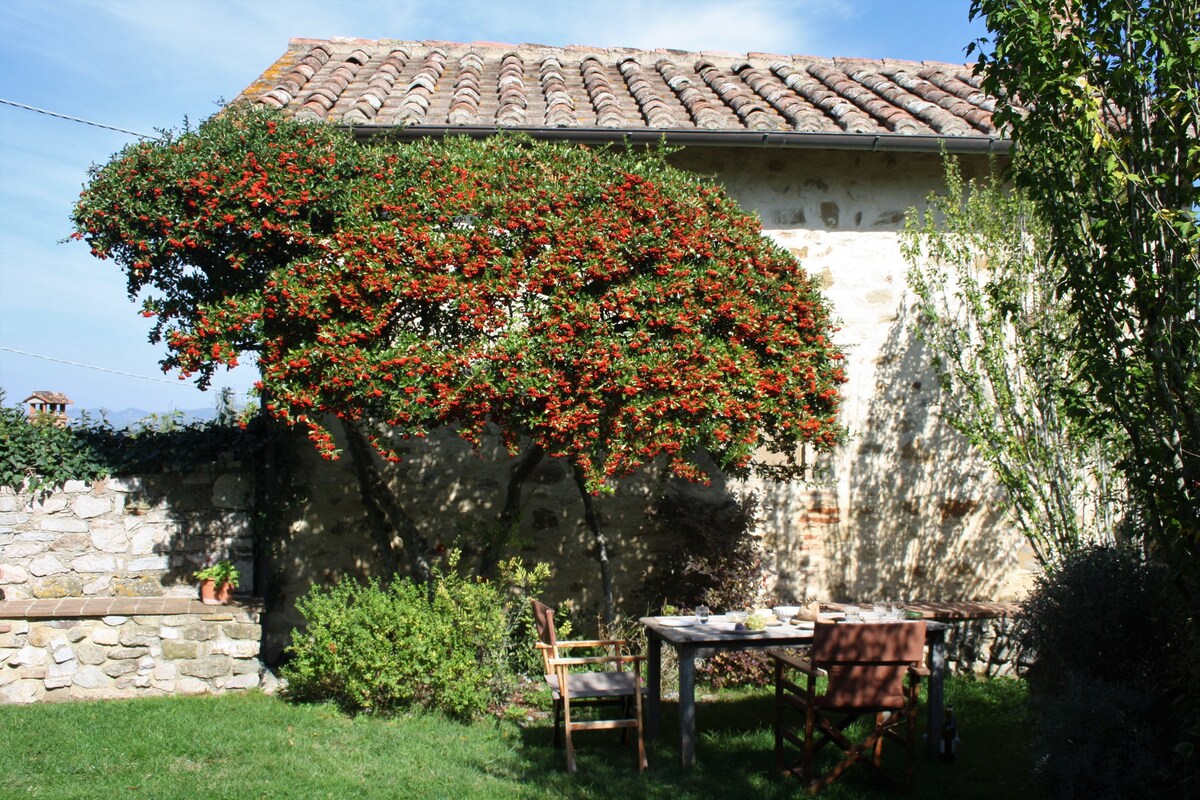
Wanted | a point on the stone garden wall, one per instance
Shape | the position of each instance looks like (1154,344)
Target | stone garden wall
(186,648)
(124,537)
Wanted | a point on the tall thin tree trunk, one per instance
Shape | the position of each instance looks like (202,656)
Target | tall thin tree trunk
(593,522)
(384,513)
(510,516)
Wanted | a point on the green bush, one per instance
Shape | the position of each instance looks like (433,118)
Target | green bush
(719,563)
(1105,637)
(373,648)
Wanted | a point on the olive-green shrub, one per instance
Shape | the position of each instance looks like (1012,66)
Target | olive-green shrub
(376,648)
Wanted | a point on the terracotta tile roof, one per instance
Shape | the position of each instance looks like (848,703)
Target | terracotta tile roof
(57,398)
(436,87)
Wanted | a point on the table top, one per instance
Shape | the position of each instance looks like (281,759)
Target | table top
(718,632)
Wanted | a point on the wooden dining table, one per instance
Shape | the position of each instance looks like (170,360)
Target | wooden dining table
(693,639)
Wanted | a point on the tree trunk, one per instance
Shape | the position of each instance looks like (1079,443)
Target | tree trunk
(266,501)
(510,516)
(384,513)
(593,522)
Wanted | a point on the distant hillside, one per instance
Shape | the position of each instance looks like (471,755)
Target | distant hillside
(130,416)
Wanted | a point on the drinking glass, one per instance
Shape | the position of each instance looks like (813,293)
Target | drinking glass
(853,614)
(702,613)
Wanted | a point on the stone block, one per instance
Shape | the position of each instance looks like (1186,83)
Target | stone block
(37,536)
(106,636)
(8,676)
(243,665)
(148,564)
(58,586)
(87,506)
(239,648)
(125,485)
(88,653)
(191,686)
(198,632)
(114,621)
(232,491)
(128,652)
(62,653)
(100,586)
(142,586)
(115,669)
(46,565)
(77,487)
(242,630)
(247,680)
(49,505)
(109,539)
(207,667)
(61,675)
(20,693)
(138,635)
(14,573)
(165,671)
(64,525)
(71,543)
(21,550)
(41,635)
(29,656)
(93,563)
(178,650)
(92,677)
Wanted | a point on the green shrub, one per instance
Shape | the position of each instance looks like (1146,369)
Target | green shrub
(1105,637)
(719,563)
(373,648)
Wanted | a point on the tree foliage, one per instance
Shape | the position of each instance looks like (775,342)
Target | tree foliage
(980,267)
(1104,108)
(612,308)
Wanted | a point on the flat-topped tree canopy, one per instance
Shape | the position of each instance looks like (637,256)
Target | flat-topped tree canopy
(412,89)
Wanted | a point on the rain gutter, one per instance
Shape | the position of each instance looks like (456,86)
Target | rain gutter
(788,140)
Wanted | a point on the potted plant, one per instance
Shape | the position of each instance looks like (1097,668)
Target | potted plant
(217,582)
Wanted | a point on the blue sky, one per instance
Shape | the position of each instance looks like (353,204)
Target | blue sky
(143,65)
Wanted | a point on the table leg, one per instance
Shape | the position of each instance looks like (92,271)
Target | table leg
(936,696)
(653,684)
(687,705)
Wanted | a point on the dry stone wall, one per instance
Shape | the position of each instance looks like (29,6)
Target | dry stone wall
(202,650)
(124,537)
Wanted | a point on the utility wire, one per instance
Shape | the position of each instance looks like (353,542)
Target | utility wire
(77,119)
(90,366)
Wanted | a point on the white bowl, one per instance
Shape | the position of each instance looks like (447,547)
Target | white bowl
(786,612)
(735,616)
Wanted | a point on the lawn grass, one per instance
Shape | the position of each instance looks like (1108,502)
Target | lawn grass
(252,746)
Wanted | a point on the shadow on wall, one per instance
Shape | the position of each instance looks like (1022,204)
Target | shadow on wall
(922,517)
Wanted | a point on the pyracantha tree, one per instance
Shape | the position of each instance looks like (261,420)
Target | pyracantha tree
(599,306)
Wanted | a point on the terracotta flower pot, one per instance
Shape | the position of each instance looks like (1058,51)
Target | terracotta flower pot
(213,595)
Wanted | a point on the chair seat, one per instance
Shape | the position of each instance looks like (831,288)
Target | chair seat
(595,684)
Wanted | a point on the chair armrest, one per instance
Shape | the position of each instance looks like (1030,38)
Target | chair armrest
(574,662)
(593,643)
(917,673)
(799,663)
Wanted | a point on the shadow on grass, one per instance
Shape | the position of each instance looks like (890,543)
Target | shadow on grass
(735,755)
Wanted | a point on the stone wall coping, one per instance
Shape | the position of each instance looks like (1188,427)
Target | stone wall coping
(83,607)
(948,611)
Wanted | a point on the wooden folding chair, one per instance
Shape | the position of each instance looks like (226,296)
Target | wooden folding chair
(872,669)
(613,679)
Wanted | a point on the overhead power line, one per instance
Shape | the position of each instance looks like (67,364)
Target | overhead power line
(91,366)
(77,119)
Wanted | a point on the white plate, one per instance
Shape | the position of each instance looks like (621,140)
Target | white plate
(677,622)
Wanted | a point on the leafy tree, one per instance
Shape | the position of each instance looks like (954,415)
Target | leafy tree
(599,306)
(1105,104)
(980,267)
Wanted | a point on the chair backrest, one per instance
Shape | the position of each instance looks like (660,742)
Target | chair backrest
(543,620)
(867,663)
